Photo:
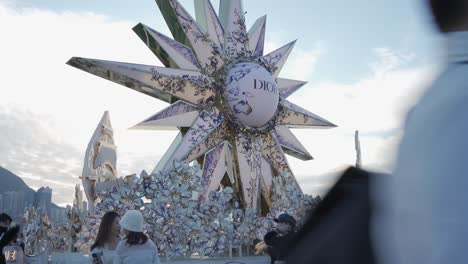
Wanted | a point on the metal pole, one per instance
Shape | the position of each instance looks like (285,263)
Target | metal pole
(357,147)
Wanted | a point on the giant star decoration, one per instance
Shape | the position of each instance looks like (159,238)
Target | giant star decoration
(224,91)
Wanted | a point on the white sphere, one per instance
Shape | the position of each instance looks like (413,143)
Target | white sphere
(252,94)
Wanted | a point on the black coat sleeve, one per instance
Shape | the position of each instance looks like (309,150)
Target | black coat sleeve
(270,238)
(9,236)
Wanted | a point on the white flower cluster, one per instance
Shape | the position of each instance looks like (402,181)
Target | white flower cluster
(180,225)
(119,198)
(58,236)
(287,198)
(86,234)
(171,212)
(35,232)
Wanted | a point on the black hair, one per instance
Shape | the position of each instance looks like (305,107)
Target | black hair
(448,14)
(104,232)
(5,218)
(136,238)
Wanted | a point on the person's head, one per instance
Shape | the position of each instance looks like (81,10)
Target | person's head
(132,224)
(5,220)
(135,238)
(285,223)
(450,15)
(108,229)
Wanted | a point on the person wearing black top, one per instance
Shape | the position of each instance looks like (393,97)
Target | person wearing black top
(278,239)
(8,232)
(338,230)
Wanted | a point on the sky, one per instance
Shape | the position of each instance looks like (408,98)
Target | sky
(366,63)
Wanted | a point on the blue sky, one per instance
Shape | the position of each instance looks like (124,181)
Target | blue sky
(347,29)
(366,63)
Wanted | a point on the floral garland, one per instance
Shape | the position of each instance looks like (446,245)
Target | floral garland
(180,225)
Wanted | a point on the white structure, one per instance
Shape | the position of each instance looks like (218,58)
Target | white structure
(43,199)
(100,163)
(78,201)
(224,92)
(357,146)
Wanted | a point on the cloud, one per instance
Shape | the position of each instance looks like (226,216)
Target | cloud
(378,102)
(49,110)
(375,105)
(301,62)
(30,151)
(388,60)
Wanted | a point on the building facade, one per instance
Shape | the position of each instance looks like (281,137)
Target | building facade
(43,199)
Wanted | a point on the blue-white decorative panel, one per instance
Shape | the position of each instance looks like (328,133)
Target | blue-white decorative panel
(287,87)
(207,121)
(182,55)
(216,137)
(266,181)
(295,116)
(257,37)
(179,114)
(276,59)
(207,52)
(191,86)
(209,21)
(290,143)
(249,163)
(274,155)
(214,168)
(233,21)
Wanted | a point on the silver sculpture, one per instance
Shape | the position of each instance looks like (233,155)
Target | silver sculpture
(100,163)
(224,92)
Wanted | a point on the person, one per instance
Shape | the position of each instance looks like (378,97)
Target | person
(421,211)
(108,236)
(136,247)
(8,232)
(337,230)
(276,240)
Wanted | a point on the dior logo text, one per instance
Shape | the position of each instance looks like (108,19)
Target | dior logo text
(265,85)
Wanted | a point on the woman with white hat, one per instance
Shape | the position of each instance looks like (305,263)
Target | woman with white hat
(136,247)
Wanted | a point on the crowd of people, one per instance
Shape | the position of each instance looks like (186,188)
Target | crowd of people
(122,240)
(119,240)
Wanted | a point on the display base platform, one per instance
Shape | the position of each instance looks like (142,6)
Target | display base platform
(75,258)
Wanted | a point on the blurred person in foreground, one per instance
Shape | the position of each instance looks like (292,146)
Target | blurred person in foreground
(8,232)
(422,213)
(337,230)
(276,240)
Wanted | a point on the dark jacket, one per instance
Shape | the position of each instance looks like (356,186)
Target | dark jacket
(6,237)
(276,245)
(338,230)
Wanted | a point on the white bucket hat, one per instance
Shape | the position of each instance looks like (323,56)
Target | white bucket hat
(132,221)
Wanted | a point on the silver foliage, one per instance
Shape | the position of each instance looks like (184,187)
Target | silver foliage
(181,225)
